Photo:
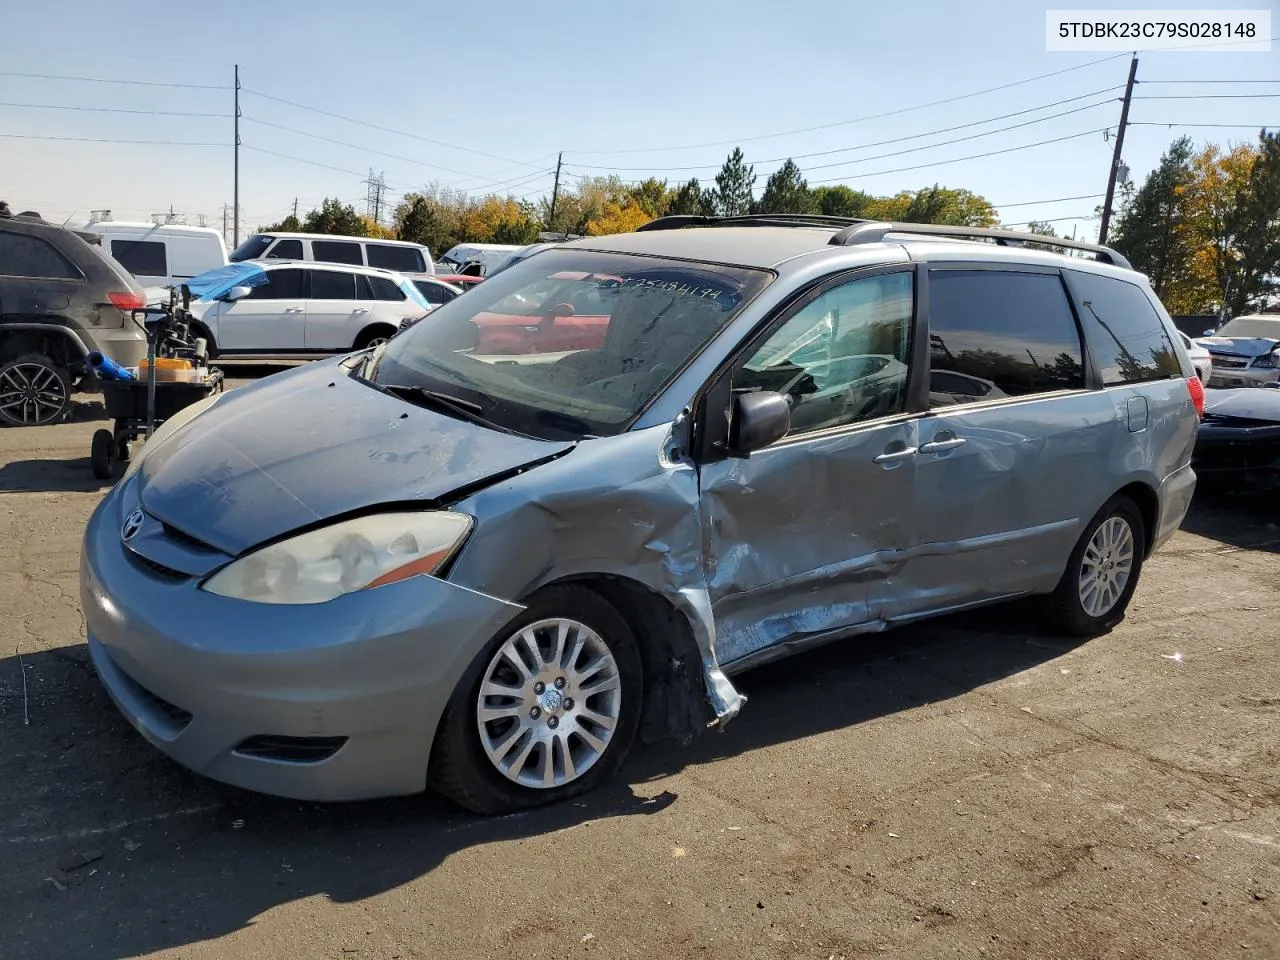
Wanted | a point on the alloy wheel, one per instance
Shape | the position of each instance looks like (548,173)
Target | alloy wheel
(1106,566)
(549,703)
(31,393)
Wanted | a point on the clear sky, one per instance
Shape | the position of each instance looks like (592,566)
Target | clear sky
(632,88)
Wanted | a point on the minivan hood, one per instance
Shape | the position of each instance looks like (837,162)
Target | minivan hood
(1241,346)
(305,446)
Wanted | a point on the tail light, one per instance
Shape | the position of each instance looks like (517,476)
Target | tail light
(124,302)
(1196,389)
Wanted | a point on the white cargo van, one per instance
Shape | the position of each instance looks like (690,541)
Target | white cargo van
(411,259)
(160,255)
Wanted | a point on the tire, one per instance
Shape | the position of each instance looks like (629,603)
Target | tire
(34,391)
(545,725)
(103,454)
(374,334)
(1067,609)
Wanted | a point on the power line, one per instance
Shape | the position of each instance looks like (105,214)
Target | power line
(133,83)
(314,163)
(1209,96)
(354,146)
(1024,223)
(375,126)
(1235,126)
(914,136)
(1032,203)
(153,113)
(972,156)
(873,116)
(1210,81)
(165,143)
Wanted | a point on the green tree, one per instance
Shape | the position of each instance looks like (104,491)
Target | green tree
(690,199)
(840,200)
(1257,231)
(1151,229)
(289,224)
(786,191)
(334,216)
(652,196)
(735,185)
(936,204)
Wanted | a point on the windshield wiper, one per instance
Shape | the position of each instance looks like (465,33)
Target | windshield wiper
(423,396)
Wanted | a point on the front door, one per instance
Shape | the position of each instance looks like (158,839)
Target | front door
(271,319)
(1008,454)
(800,536)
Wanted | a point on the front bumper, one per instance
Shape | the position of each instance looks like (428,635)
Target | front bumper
(198,674)
(1246,456)
(1242,376)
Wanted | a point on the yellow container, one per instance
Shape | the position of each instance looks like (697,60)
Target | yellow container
(167,368)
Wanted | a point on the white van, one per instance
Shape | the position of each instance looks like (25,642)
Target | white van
(160,255)
(488,255)
(410,259)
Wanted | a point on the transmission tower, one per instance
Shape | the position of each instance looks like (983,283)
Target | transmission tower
(377,186)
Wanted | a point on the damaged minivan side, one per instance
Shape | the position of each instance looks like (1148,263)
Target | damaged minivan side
(485,566)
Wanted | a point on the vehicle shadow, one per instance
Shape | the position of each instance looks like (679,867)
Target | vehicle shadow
(178,859)
(50,476)
(1250,521)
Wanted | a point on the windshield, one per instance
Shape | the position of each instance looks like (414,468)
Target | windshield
(251,249)
(569,342)
(1265,327)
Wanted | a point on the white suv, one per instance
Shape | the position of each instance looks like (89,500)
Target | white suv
(308,310)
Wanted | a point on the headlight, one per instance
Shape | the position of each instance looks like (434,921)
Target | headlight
(168,429)
(353,555)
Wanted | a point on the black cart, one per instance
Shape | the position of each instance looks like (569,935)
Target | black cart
(139,406)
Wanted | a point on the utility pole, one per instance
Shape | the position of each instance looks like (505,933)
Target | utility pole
(224,222)
(235,199)
(555,193)
(1115,158)
(295,208)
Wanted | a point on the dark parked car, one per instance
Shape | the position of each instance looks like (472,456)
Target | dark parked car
(62,297)
(1238,445)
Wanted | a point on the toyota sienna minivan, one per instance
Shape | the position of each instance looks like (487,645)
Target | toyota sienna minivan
(422,565)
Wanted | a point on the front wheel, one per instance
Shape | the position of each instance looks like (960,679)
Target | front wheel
(546,711)
(1102,572)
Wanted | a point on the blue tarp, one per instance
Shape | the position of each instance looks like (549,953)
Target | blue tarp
(214,283)
(414,294)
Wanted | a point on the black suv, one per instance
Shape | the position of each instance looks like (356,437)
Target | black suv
(62,297)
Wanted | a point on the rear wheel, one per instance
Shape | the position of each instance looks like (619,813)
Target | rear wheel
(34,390)
(546,711)
(374,336)
(1102,572)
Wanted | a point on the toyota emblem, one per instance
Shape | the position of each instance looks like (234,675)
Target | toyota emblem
(132,524)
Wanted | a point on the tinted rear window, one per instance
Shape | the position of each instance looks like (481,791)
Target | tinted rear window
(26,256)
(331,285)
(142,258)
(434,292)
(1000,334)
(384,289)
(251,249)
(286,250)
(1127,335)
(336,251)
(402,259)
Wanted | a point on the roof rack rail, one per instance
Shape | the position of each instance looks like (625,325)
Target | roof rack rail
(875,232)
(680,220)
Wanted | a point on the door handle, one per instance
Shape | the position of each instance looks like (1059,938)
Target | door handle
(360,310)
(894,456)
(292,309)
(937,446)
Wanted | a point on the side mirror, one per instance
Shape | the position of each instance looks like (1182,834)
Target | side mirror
(1207,333)
(557,311)
(758,419)
(237,293)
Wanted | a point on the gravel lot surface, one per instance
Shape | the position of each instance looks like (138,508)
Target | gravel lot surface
(965,788)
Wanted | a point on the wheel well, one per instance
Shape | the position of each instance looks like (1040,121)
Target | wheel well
(675,699)
(199,330)
(51,343)
(1149,506)
(378,329)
